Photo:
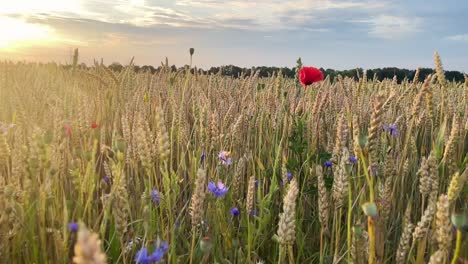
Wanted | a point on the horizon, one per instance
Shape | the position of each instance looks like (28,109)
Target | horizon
(156,66)
(345,34)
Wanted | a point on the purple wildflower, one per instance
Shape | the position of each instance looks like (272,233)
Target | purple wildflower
(158,253)
(106,179)
(73,227)
(392,129)
(234,211)
(352,160)
(155,196)
(142,257)
(256,183)
(253,212)
(218,189)
(289,176)
(328,164)
(164,246)
(224,158)
(202,157)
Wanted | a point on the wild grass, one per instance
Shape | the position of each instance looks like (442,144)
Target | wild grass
(129,157)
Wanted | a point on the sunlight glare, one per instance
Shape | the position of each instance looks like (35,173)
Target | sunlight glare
(17,32)
(34,6)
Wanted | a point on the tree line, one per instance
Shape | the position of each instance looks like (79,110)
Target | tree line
(267,71)
(264,71)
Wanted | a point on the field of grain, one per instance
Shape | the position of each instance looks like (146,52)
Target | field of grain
(173,167)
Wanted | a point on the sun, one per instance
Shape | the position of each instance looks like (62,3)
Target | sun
(16,32)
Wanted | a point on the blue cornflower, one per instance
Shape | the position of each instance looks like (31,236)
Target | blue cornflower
(73,227)
(289,176)
(106,179)
(164,246)
(256,183)
(392,129)
(203,156)
(155,196)
(253,212)
(352,159)
(142,257)
(234,211)
(224,158)
(218,189)
(158,253)
(328,164)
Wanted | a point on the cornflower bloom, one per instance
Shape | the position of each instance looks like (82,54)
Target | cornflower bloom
(392,129)
(234,211)
(154,195)
(224,158)
(218,189)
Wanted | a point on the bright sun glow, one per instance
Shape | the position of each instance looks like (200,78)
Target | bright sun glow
(16,32)
(35,6)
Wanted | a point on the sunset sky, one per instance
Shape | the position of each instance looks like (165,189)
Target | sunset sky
(337,34)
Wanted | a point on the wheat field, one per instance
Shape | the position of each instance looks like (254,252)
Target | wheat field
(100,166)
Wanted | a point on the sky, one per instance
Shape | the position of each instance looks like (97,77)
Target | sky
(338,34)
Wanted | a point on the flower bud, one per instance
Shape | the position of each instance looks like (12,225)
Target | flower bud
(460,221)
(206,244)
(370,209)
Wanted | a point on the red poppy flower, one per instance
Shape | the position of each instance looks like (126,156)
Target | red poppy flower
(94,125)
(67,130)
(309,75)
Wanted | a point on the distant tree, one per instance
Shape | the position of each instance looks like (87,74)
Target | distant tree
(266,71)
(148,68)
(115,66)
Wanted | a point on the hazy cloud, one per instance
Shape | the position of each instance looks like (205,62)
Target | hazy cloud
(458,38)
(392,27)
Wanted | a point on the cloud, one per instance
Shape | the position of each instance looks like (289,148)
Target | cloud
(458,38)
(392,27)
(275,14)
(89,32)
(210,14)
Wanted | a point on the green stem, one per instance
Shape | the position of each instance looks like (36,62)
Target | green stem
(369,179)
(192,247)
(321,245)
(249,237)
(421,251)
(281,254)
(290,254)
(338,235)
(370,226)
(350,211)
(456,254)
